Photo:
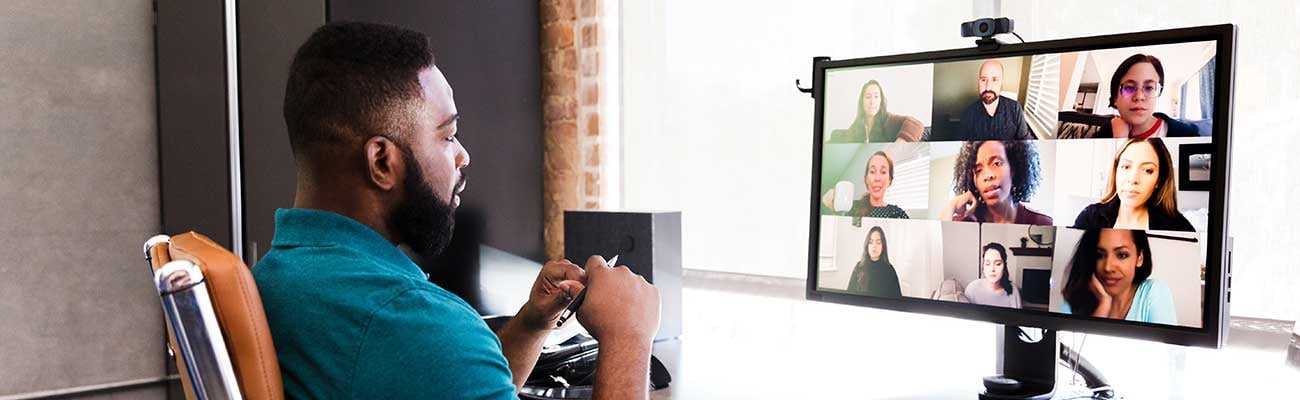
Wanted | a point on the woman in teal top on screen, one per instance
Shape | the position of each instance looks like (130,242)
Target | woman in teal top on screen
(1110,277)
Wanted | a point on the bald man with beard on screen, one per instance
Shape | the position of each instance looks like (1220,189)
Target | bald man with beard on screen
(993,116)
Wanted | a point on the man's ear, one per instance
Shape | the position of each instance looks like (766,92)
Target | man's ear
(384,162)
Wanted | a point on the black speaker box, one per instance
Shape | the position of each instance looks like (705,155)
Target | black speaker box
(648,243)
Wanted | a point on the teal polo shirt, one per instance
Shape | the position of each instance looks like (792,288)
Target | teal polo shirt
(354,318)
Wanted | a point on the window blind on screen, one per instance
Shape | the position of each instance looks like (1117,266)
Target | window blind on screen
(1041,94)
(912,194)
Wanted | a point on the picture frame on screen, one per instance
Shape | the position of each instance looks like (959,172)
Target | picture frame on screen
(1194,169)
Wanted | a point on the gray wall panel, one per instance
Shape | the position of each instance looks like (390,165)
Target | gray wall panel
(78,194)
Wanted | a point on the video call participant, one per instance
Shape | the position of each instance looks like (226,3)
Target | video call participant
(993,116)
(874,275)
(992,179)
(1141,194)
(874,123)
(1134,88)
(372,126)
(878,178)
(994,288)
(1110,277)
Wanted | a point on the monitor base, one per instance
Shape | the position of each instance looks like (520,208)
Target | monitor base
(1027,362)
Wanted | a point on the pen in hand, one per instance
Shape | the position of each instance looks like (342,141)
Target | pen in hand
(577,302)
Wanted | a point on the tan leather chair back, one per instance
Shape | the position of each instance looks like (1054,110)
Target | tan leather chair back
(238,308)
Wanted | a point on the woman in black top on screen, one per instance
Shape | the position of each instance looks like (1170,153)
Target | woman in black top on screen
(874,275)
(1141,193)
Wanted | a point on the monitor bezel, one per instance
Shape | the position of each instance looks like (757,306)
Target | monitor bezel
(1213,332)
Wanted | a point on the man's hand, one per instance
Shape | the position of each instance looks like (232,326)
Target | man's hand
(556,286)
(620,306)
(622,312)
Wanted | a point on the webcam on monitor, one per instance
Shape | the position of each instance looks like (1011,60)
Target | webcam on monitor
(987,27)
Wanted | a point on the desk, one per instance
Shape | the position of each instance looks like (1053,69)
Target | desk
(737,344)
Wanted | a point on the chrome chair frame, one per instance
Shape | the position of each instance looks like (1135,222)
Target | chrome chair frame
(189,313)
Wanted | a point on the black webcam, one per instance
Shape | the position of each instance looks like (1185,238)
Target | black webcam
(987,27)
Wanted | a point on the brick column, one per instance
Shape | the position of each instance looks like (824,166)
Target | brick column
(571,83)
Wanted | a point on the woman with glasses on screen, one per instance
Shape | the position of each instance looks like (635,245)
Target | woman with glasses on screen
(874,123)
(1134,88)
(994,288)
(874,275)
(1110,277)
(1141,194)
(992,180)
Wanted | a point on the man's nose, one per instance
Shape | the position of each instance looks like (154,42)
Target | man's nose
(462,157)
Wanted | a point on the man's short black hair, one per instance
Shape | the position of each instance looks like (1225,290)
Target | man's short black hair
(351,81)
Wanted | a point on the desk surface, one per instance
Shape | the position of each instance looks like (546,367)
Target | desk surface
(740,341)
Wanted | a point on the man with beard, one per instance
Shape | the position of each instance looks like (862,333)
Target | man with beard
(993,116)
(372,124)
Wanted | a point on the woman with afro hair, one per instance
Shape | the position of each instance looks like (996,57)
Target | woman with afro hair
(992,179)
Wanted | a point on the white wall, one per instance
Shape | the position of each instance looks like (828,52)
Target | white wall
(1177,264)
(961,247)
(942,157)
(713,126)
(1083,169)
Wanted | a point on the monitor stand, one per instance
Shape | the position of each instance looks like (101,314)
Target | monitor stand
(1026,363)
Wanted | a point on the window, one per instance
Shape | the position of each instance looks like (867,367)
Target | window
(712,124)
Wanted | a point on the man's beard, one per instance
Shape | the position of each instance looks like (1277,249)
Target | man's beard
(988,96)
(423,221)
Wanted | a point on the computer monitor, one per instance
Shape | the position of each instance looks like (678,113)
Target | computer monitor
(1064,184)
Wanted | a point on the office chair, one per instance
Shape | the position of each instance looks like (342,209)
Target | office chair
(215,324)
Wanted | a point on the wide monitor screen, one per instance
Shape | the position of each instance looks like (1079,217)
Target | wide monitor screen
(1074,184)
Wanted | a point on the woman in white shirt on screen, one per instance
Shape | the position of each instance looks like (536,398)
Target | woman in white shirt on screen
(994,288)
